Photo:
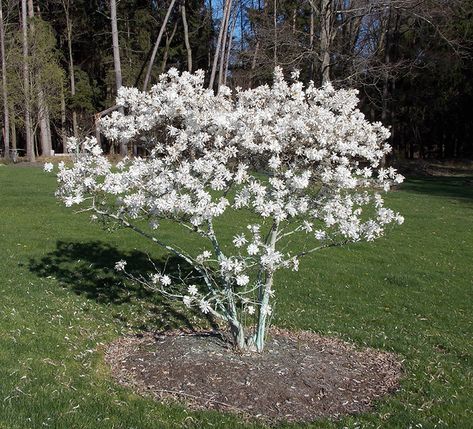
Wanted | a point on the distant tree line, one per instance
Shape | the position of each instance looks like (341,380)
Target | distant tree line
(62,61)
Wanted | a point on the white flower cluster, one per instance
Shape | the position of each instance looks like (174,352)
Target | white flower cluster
(304,160)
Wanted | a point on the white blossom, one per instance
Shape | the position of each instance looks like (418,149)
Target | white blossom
(239,240)
(48,167)
(203,256)
(307,226)
(120,265)
(252,249)
(291,158)
(204,306)
(242,280)
(165,280)
(187,300)
(192,290)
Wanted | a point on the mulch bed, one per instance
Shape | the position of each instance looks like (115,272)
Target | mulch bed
(300,377)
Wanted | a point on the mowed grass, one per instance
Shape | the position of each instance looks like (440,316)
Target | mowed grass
(60,304)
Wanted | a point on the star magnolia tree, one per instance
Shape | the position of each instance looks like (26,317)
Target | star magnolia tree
(300,164)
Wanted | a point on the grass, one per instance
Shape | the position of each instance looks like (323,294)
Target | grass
(410,293)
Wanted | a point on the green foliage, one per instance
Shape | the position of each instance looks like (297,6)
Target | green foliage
(46,74)
(411,293)
(87,95)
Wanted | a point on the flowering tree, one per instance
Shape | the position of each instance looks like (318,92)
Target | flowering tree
(302,161)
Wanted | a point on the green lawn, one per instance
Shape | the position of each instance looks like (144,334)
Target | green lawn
(411,293)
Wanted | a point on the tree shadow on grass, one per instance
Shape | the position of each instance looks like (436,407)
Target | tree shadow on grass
(451,187)
(87,268)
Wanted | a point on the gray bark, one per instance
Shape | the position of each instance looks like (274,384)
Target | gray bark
(186,38)
(13,135)
(253,62)
(6,117)
(43,111)
(156,46)
(72,78)
(224,42)
(63,120)
(325,38)
(218,46)
(116,46)
(387,60)
(311,40)
(264,295)
(275,32)
(116,59)
(229,47)
(167,46)
(26,83)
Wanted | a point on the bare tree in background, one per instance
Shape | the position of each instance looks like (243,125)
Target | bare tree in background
(156,45)
(43,110)
(66,4)
(167,46)
(116,58)
(186,37)
(220,46)
(30,153)
(326,37)
(6,118)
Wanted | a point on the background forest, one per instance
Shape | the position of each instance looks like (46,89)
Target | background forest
(63,60)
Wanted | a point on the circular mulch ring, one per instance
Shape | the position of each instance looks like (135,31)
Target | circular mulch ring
(300,377)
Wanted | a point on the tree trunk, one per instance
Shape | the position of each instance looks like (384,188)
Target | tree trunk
(116,59)
(325,38)
(156,46)
(72,78)
(387,59)
(311,41)
(294,19)
(13,134)
(275,32)
(6,118)
(229,47)
(253,63)
(116,46)
(63,121)
(238,334)
(265,291)
(44,130)
(219,43)
(26,83)
(167,46)
(43,110)
(186,38)
(224,43)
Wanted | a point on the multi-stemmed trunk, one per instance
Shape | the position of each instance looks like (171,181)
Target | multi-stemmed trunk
(257,341)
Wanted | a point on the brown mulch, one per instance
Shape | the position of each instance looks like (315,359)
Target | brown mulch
(300,377)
